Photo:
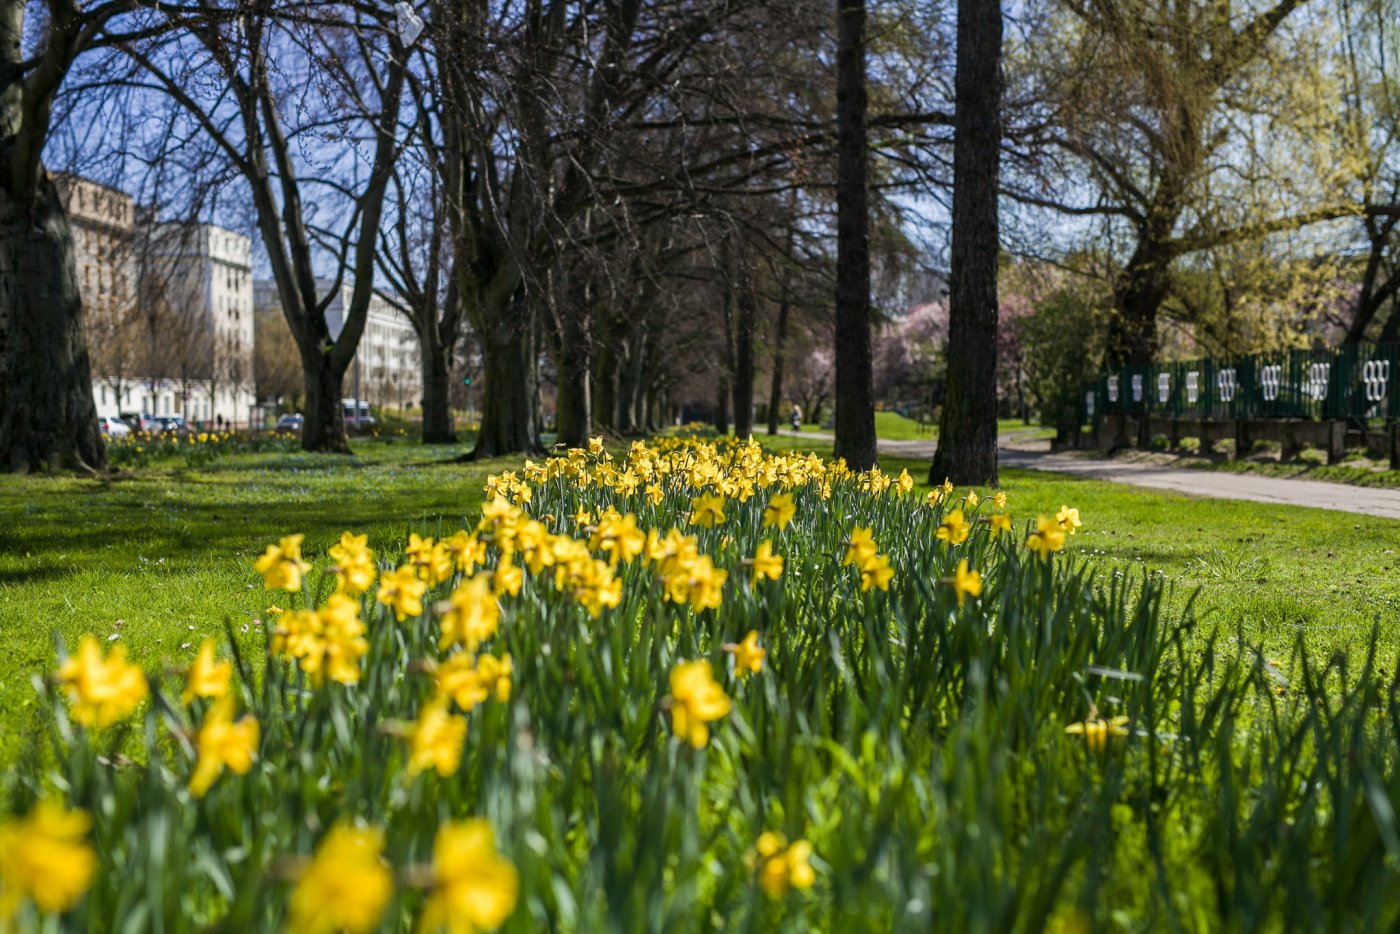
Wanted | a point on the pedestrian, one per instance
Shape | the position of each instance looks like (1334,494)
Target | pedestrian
(795,416)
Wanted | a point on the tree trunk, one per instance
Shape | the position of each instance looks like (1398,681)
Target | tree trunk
(438,424)
(48,420)
(967,441)
(722,407)
(323,430)
(855,381)
(1141,289)
(775,389)
(745,310)
(605,389)
(572,363)
(508,422)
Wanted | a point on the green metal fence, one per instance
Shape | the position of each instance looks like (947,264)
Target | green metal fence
(1358,383)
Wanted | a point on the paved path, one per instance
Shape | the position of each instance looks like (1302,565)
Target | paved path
(1191,482)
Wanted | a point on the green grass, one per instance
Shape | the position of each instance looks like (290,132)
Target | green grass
(1275,571)
(163,555)
(891,426)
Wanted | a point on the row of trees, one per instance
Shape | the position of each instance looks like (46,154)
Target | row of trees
(651,202)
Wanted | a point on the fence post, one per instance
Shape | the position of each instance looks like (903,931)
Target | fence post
(1395,445)
(1336,440)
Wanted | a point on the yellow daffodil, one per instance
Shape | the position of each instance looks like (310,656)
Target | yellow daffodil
(1096,730)
(435,740)
(281,565)
(206,677)
(1000,522)
(707,511)
(402,591)
(779,511)
(972,499)
(474,887)
(45,858)
(345,886)
(780,866)
(696,700)
(766,564)
(904,483)
(507,579)
(595,445)
(954,528)
(1068,519)
(999,500)
(748,654)
(1048,537)
(655,494)
(470,681)
(965,582)
(466,550)
(221,744)
(876,573)
(354,564)
(101,691)
(583,518)
(472,614)
(860,547)
(947,487)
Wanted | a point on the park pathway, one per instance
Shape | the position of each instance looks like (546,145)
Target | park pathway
(1035,455)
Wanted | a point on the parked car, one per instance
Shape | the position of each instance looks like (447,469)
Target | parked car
(141,421)
(113,427)
(290,424)
(175,423)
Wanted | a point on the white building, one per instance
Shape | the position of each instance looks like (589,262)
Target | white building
(169,309)
(387,370)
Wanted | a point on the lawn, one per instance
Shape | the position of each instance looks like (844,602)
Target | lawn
(891,426)
(162,556)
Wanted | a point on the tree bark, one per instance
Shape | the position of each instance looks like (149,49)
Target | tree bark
(48,420)
(508,422)
(573,363)
(746,302)
(775,389)
(722,406)
(324,426)
(967,441)
(855,381)
(438,424)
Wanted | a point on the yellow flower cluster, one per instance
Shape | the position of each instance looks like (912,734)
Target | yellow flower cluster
(44,859)
(875,570)
(102,691)
(780,866)
(326,643)
(347,885)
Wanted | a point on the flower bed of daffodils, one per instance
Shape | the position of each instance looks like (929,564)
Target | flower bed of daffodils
(705,688)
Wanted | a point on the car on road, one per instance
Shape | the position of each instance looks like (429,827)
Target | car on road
(290,424)
(113,427)
(175,423)
(141,421)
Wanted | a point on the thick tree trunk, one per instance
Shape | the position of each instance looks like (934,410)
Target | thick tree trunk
(855,381)
(573,365)
(48,420)
(508,411)
(1142,287)
(746,303)
(438,424)
(775,388)
(324,428)
(967,441)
